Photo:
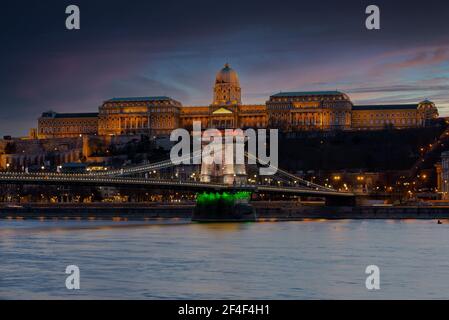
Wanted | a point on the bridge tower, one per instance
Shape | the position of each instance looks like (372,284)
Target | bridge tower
(227,173)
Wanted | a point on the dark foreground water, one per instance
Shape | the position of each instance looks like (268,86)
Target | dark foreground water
(176,260)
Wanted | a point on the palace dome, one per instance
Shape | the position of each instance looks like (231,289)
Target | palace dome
(427,101)
(227,75)
(426,104)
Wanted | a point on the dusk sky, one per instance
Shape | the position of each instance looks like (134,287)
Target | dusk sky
(175,48)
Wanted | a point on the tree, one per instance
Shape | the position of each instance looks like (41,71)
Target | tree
(10,148)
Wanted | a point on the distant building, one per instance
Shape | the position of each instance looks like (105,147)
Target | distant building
(290,111)
(142,115)
(66,125)
(19,154)
(314,110)
(398,116)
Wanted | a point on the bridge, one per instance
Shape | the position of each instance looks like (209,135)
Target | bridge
(287,183)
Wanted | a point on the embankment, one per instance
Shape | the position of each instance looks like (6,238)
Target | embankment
(273,211)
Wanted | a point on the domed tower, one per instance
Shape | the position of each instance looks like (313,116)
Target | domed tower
(426,112)
(227,87)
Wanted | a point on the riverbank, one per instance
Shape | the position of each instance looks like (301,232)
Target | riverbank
(273,211)
(106,211)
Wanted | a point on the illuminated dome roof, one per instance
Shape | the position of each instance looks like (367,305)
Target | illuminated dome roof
(227,75)
(426,103)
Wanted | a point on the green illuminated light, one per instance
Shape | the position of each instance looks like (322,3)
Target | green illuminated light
(224,198)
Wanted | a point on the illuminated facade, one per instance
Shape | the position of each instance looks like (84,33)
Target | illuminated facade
(289,111)
(398,116)
(227,89)
(66,125)
(142,115)
(226,110)
(320,110)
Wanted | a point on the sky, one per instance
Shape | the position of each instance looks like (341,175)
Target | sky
(175,48)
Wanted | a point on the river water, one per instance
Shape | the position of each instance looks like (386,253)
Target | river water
(182,260)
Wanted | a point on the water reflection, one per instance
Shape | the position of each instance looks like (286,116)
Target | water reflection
(171,259)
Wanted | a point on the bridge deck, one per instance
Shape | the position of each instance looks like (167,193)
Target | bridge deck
(90,180)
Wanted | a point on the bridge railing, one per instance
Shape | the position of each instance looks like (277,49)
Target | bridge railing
(121,173)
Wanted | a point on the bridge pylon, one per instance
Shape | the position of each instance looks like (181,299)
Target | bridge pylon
(225,171)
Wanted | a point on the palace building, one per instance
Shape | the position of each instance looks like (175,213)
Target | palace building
(143,115)
(66,125)
(398,116)
(289,111)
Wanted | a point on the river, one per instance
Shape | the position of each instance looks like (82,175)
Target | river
(182,260)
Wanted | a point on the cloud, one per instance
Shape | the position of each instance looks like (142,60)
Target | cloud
(418,88)
(414,58)
(434,89)
(175,48)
